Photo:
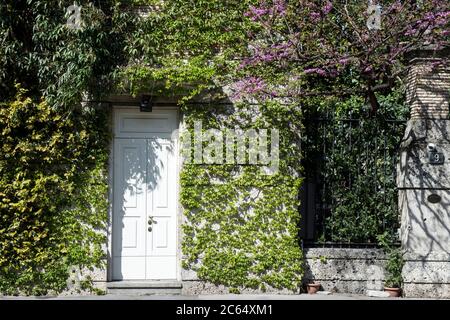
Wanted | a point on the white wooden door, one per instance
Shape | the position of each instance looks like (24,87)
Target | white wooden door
(145,205)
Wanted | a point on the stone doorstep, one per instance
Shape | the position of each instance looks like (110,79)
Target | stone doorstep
(377,294)
(143,284)
(144,287)
(324,293)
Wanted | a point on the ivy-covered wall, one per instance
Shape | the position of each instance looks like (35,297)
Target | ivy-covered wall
(241,226)
(53,195)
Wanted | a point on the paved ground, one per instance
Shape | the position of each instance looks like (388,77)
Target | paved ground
(208,297)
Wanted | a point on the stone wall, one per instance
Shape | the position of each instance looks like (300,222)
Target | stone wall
(337,269)
(427,276)
(345,270)
(77,276)
(192,285)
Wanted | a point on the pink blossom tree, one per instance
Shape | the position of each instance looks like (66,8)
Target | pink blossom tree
(307,47)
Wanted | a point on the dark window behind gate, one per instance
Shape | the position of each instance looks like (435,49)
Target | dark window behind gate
(349,194)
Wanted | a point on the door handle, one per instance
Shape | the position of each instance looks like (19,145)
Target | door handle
(151,221)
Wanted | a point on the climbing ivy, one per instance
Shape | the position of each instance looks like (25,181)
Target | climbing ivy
(53,205)
(184,48)
(241,227)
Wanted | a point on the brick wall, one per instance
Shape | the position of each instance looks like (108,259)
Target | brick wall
(428,88)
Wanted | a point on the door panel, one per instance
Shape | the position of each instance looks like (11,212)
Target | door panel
(161,268)
(135,124)
(129,268)
(129,221)
(161,242)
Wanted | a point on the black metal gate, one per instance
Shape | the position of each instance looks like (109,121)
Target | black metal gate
(349,195)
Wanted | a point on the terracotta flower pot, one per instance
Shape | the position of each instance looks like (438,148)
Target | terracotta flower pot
(312,288)
(393,292)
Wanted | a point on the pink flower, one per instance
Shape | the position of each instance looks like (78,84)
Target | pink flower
(270,54)
(327,7)
(279,7)
(318,71)
(248,86)
(256,13)
(344,61)
(368,69)
(315,16)
(410,31)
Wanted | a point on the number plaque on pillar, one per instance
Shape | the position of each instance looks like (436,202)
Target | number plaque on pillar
(436,158)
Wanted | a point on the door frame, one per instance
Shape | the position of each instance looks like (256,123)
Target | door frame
(117,107)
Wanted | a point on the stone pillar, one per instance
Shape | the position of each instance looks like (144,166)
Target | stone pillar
(424,179)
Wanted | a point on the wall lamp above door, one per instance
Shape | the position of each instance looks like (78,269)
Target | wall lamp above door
(146,104)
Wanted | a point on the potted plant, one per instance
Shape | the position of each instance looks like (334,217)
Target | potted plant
(394,266)
(312,287)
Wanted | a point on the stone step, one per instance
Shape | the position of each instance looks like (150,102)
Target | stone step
(144,287)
